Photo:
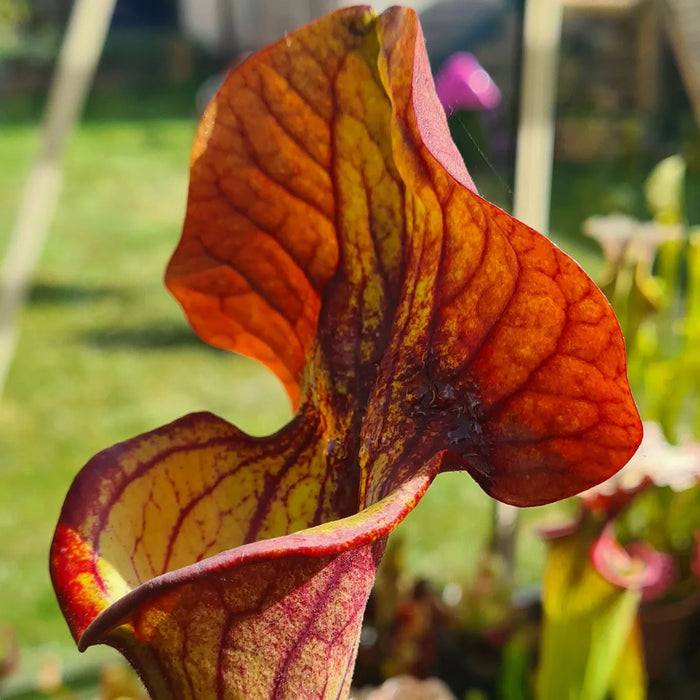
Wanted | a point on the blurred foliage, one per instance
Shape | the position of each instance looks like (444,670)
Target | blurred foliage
(668,520)
(652,278)
(14,16)
(14,13)
(592,643)
(664,190)
(589,627)
(472,635)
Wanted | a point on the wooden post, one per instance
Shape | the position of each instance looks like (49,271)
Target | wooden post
(533,173)
(533,160)
(80,52)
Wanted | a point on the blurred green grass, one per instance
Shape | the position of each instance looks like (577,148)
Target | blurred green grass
(105,354)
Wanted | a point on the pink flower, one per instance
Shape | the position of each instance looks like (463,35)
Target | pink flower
(637,566)
(462,83)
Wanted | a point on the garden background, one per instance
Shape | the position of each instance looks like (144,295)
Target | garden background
(105,353)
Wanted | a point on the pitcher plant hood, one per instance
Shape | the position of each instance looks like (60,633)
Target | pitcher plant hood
(334,234)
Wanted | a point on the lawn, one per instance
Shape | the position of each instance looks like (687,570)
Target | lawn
(105,353)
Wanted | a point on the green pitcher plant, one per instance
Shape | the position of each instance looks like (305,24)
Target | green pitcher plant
(333,233)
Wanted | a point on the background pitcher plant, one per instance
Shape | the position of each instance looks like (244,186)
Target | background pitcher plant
(333,234)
